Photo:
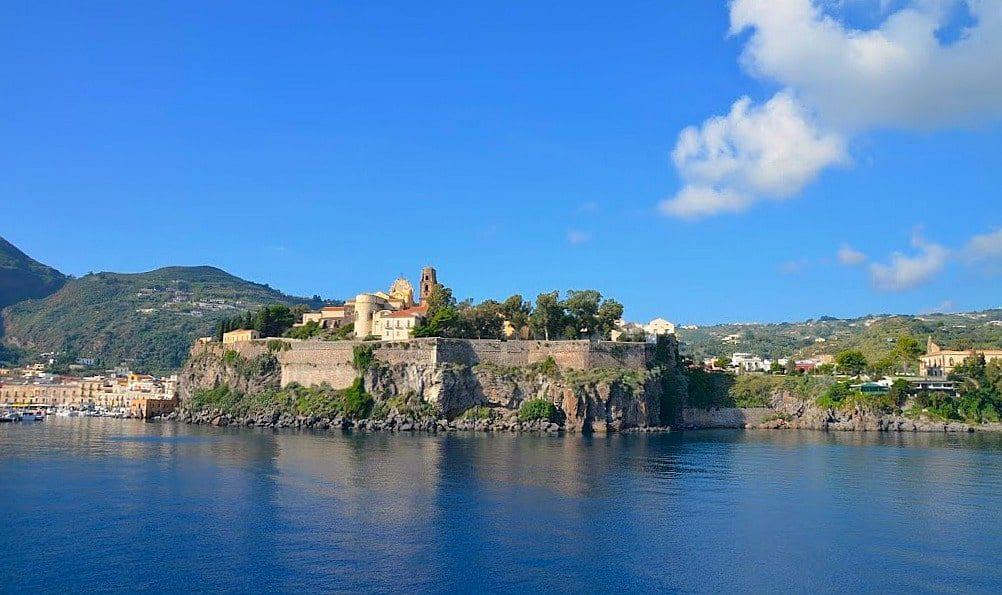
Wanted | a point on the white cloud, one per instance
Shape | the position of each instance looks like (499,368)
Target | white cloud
(575,237)
(985,247)
(837,81)
(753,153)
(849,256)
(898,74)
(794,267)
(906,272)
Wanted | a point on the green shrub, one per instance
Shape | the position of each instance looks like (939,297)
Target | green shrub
(476,413)
(362,357)
(833,396)
(278,345)
(306,331)
(754,391)
(537,409)
(547,367)
(357,403)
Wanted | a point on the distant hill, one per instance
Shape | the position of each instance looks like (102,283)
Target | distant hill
(874,335)
(147,319)
(23,278)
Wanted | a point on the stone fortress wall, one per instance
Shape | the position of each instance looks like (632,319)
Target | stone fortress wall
(314,362)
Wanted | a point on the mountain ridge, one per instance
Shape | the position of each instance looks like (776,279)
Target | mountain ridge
(22,277)
(147,319)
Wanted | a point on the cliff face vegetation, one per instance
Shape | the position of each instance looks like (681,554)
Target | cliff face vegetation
(245,389)
(240,374)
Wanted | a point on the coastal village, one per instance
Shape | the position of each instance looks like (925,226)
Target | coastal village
(391,318)
(120,392)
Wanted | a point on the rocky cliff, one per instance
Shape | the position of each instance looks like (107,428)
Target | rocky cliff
(597,400)
(788,410)
(600,400)
(246,371)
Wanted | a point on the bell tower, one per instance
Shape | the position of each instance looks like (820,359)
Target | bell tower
(429,279)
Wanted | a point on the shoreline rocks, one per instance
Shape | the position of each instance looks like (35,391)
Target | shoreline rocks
(392,423)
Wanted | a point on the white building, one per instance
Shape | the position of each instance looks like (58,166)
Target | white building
(746,362)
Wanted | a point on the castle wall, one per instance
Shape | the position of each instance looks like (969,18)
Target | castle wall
(315,362)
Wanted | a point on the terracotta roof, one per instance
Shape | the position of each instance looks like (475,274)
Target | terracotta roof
(332,308)
(408,312)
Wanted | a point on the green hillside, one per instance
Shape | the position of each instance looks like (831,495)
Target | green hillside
(146,319)
(874,335)
(22,278)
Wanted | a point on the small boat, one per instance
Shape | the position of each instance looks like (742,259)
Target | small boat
(9,416)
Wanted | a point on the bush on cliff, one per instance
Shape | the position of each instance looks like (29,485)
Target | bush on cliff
(478,412)
(357,403)
(547,367)
(322,400)
(362,357)
(537,409)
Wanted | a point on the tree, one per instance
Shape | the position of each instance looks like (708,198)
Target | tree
(307,331)
(273,321)
(851,361)
(824,369)
(791,367)
(517,312)
(632,335)
(883,366)
(908,348)
(582,312)
(608,313)
(899,391)
(485,320)
(548,318)
(722,362)
(775,367)
(439,298)
(442,318)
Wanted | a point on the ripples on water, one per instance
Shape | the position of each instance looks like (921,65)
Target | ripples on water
(101,504)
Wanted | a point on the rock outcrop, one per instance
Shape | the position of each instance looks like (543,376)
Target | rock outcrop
(250,370)
(790,411)
(595,400)
(607,401)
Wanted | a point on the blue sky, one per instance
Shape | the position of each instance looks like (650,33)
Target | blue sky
(326,147)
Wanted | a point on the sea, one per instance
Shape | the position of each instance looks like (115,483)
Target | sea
(113,505)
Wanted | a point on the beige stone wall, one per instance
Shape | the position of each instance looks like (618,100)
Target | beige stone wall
(315,362)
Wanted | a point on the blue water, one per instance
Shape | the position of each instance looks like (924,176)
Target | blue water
(121,505)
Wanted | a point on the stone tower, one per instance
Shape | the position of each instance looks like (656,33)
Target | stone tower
(429,279)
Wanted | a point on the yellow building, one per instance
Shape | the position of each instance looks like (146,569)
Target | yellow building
(940,362)
(240,336)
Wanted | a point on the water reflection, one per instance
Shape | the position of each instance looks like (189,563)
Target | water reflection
(130,506)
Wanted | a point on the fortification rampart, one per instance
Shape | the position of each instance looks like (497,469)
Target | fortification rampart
(314,362)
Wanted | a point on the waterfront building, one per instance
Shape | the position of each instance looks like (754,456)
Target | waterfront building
(941,362)
(105,392)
